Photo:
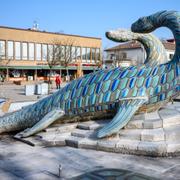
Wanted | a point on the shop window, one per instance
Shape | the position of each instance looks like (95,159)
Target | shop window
(84,55)
(2,50)
(73,53)
(88,54)
(10,47)
(38,52)
(44,52)
(93,53)
(24,51)
(31,51)
(78,53)
(17,50)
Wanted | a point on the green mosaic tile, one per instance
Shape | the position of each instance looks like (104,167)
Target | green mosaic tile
(123,83)
(140,82)
(155,81)
(106,86)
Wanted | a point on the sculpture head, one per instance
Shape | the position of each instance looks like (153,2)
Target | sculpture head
(142,25)
(121,35)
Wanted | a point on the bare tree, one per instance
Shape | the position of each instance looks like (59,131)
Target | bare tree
(4,63)
(61,54)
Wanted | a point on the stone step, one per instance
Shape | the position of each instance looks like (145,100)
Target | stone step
(152,135)
(82,133)
(135,124)
(170,117)
(92,125)
(53,138)
(173,147)
(172,133)
(61,128)
(132,134)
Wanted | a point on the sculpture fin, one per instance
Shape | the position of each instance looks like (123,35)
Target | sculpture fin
(123,116)
(42,124)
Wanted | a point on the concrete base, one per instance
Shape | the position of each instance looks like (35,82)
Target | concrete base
(151,134)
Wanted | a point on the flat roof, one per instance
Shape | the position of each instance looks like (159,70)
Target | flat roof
(39,31)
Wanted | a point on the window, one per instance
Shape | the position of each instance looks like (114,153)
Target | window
(61,50)
(88,55)
(73,53)
(10,50)
(93,53)
(171,56)
(17,50)
(2,50)
(50,52)
(84,55)
(78,53)
(38,52)
(31,51)
(24,51)
(44,52)
(98,56)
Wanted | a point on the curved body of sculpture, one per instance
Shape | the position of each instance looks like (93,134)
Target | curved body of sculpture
(125,89)
(155,51)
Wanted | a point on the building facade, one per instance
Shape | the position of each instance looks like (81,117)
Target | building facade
(25,53)
(133,53)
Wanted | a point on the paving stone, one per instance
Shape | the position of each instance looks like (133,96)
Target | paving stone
(55,140)
(73,141)
(41,176)
(170,117)
(152,135)
(61,127)
(173,146)
(132,134)
(152,148)
(127,146)
(5,175)
(106,145)
(92,125)
(151,116)
(135,124)
(153,124)
(81,133)
(139,117)
(172,133)
(88,144)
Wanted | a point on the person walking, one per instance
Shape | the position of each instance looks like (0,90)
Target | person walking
(58,82)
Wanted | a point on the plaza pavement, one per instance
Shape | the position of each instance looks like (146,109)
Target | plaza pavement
(21,161)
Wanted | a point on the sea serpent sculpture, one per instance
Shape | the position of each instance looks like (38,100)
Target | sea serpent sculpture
(126,89)
(155,51)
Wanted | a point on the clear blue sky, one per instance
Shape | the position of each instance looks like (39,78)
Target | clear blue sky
(82,17)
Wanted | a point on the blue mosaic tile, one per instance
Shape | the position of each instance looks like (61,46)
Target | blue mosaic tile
(163,79)
(148,82)
(98,87)
(141,72)
(142,91)
(124,73)
(132,73)
(106,97)
(162,97)
(124,93)
(115,84)
(155,71)
(91,81)
(107,75)
(85,89)
(91,89)
(132,82)
(158,89)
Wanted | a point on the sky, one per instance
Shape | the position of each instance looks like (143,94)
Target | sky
(82,17)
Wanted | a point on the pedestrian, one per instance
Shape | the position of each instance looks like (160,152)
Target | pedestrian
(58,82)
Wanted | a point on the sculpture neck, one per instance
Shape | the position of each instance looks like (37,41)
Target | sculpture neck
(171,20)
